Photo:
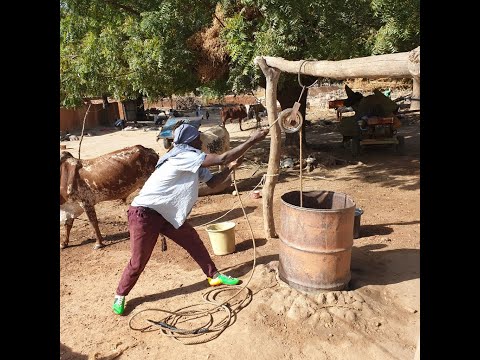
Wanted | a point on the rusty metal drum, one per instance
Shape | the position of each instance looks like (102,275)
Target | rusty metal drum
(316,240)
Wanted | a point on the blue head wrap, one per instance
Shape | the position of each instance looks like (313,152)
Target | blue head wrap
(185,133)
(182,136)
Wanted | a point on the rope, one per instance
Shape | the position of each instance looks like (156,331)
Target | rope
(298,77)
(301,166)
(300,132)
(300,81)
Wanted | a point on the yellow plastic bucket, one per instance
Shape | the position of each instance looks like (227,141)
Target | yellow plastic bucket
(222,237)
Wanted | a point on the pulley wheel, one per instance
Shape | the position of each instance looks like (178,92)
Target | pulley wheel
(290,125)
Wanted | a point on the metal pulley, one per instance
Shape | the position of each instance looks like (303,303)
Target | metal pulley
(290,120)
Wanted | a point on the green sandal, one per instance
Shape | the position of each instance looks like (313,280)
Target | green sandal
(220,279)
(119,305)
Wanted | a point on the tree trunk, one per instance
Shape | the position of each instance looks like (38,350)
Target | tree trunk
(415,100)
(271,76)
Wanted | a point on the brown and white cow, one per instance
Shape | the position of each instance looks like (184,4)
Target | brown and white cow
(232,112)
(84,183)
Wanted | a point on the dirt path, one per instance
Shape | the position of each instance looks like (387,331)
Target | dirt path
(377,317)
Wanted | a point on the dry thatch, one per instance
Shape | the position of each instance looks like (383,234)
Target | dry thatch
(382,83)
(212,59)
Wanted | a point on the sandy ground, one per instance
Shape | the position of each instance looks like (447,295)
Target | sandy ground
(376,317)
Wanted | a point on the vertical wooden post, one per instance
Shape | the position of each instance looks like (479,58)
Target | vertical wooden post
(414,68)
(272,75)
(121,111)
(415,102)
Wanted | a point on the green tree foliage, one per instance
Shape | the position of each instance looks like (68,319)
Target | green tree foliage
(400,30)
(300,29)
(128,47)
(123,48)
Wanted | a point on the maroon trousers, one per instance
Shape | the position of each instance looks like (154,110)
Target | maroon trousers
(145,225)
